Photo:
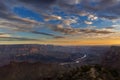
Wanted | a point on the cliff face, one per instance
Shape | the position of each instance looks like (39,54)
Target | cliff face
(112,57)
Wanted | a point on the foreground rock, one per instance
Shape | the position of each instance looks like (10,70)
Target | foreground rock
(39,71)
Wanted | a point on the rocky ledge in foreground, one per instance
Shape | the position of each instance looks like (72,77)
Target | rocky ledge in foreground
(39,71)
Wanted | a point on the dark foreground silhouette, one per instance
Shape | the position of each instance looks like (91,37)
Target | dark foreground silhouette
(39,71)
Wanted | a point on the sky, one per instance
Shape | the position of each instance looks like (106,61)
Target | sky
(60,22)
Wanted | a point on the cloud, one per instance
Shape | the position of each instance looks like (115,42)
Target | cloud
(69,21)
(4,10)
(111,27)
(43,33)
(48,34)
(52,17)
(88,22)
(70,2)
(59,37)
(93,9)
(103,8)
(7,14)
(22,27)
(10,38)
(37,5)
(109,9)
(92,17)
(70,30)
(16,26)
(100,8)
(96,31)
(4,35)
(37,2)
